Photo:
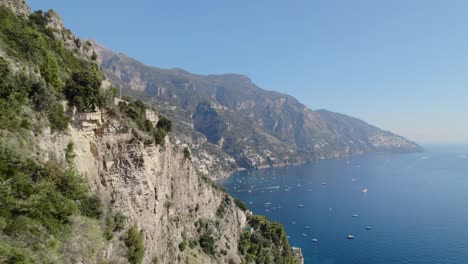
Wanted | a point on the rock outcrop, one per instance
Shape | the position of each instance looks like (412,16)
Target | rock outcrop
(19,7)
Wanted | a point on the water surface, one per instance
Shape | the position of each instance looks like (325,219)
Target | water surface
(416,204)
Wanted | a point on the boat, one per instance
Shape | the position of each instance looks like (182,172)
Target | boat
(364,190)
(315,240)
(368,228)
(300,206)
(305,235)
(324,183)
(330,209)
(306,227)
(350,237)
(355,215)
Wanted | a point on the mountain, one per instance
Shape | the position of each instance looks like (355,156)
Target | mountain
(89,178)
(228,118)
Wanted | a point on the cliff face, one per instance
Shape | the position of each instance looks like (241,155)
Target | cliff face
(154,186)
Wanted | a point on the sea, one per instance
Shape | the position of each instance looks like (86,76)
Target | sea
(416,206)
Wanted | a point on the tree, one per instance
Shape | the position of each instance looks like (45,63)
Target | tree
(83,90)
(50,70)
(57,118)
(134,242)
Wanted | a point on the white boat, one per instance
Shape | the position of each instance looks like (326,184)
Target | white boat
(306,227)
(330,209)
(368,228)
(305,235)
(355,215)
(350,237)
(364,190)
(300,205)
(315,240)
(324,183)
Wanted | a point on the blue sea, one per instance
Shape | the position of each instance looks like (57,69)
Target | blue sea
(416,205)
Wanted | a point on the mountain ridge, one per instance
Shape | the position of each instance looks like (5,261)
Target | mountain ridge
(251,125)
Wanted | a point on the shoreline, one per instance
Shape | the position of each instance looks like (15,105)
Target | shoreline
(228,174)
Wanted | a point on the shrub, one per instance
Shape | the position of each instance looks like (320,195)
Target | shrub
(164,124)
(91,207)
(182,246)
(187,153)
(119,221)
(109,229)
(159,137)
(136,111)
(50,70)
(69,153)
(240,204)
(83,90)
(207,243)
(57,118)
(134,243)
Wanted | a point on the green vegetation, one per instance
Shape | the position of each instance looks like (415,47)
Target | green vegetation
(37,203)
(25,98)
(163,126)
(240,204)
(57,118)
(135,110)
(114,223)
(187,153)
(69,153)
(268,244)
(83,90)
(207,243)
(134,243)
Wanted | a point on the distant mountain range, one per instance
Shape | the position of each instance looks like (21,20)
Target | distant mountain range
(229,122)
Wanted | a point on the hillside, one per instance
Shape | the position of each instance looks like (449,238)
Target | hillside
(89,178)
(227,119)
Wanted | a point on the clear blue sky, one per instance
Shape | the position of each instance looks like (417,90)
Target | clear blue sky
(401,65)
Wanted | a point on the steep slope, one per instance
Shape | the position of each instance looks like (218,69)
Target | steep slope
(254,126)
(88,178)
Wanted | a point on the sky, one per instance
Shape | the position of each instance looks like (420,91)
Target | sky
(400,65)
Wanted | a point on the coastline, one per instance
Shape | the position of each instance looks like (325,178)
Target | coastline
(224,176)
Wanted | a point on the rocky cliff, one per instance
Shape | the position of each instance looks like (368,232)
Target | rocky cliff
(154,186)
(84,177)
